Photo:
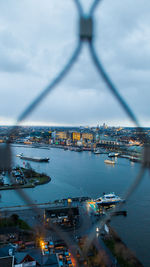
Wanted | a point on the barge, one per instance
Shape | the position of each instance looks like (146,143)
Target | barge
(37,159)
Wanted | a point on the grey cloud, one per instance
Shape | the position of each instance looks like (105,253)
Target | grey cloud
(42,32)
(13,57)
(38,38)
(122,28)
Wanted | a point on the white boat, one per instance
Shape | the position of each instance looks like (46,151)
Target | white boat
(107,161)
(97,151)
(109,199)
(19,155)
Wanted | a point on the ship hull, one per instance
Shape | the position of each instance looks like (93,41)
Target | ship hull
(35,159)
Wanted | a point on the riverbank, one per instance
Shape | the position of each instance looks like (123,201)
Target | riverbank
(124,152)
(122,253)
(11,187)
(25,178)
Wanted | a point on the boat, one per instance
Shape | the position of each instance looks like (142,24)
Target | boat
(79,149)
(113,154)
(135,159)
(108,199)
(97,151)
(125,156)
(107,161)
(37,159)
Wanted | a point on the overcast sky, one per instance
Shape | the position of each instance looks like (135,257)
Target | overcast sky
(38,37)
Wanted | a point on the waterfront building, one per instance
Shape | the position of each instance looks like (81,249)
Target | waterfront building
(97,137)
(50,136)
(79,143)
(68,142)
(62,215)
(76,136)
(53,135)
(62,135)
(87,136)
(27,142)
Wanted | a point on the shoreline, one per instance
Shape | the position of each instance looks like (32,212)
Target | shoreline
(73,148)
(23,186)
(119,249)
(38,179)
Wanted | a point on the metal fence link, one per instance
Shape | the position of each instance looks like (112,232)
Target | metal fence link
(50,87)
(5,157)
(111,86)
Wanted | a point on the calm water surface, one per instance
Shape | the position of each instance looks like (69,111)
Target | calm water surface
(85,174)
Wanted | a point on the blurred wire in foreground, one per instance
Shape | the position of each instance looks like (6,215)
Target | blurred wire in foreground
(111,86)
(48,89)
(109,215)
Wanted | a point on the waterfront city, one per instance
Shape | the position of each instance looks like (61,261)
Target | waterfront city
(66,189)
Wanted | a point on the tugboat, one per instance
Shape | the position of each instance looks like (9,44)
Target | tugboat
(108,199)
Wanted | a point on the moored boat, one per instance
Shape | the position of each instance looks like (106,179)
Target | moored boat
(109,199)
(135,159)
(107,161)
(113,154)
(37,159)
(97,151)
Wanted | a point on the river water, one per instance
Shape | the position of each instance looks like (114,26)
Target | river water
(85,174)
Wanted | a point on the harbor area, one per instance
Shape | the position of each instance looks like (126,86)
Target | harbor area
(73,217)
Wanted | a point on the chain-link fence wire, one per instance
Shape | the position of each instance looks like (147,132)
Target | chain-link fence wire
(86,28)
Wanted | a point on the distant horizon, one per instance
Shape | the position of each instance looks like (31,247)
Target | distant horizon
(83,123)
(72,126)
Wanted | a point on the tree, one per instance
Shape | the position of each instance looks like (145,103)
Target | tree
(14,217)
